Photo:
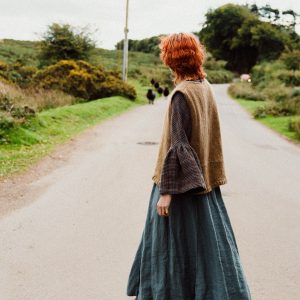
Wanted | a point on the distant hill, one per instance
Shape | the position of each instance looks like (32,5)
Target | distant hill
(142,66)
(13,50)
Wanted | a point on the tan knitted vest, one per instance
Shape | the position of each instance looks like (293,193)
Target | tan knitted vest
(205,136)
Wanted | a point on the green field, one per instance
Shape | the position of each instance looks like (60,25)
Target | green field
(279,124)
(55,126)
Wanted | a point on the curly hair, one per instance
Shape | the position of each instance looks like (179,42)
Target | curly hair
(184,55)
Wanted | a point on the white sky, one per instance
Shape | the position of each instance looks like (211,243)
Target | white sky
(27,19)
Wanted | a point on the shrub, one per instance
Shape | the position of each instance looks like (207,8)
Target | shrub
(264,73)
(17,73)
(37,99)
(4,76)
(295,92)
(275,109)
(294,125)
(3,66)
(11,115)
(22,75)
(63,41)
(291,59)
(3,71)
(115,86)
(289,77)
(134,73)
(268,72)
(274,90)
(246,91)
(212,64)
(219,76)
(83,80)
(215,70)
(16,111)
(6,122)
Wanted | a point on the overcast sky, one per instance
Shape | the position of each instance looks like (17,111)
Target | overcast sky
(27,19)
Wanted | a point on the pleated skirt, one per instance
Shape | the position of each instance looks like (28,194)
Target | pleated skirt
(190,255)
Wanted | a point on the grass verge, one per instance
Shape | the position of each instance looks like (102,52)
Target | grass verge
(278,124)
(55,126)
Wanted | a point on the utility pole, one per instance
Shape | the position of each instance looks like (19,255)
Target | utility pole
(125,47)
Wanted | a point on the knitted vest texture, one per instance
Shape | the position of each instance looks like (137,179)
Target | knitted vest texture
(205,136)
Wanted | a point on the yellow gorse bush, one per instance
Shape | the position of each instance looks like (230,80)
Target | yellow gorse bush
(81,79)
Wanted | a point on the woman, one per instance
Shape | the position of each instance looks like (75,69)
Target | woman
(188,250)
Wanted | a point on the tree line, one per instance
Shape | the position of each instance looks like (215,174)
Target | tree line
(242,35)
(147,45)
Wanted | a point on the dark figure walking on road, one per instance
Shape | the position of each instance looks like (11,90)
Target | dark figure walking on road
(150,96)
(188,249)
(166,92)
(160,91)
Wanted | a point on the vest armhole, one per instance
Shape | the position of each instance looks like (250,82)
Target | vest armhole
(177,92)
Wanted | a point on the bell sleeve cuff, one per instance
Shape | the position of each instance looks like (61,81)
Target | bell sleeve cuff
(181,171)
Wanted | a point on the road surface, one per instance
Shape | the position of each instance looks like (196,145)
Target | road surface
(72,232)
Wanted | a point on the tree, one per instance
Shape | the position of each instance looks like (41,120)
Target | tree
(272,14)
(294,17)
(148,45)
(236,34)
(220,36)
(63,41)
(291,59)
(268,40)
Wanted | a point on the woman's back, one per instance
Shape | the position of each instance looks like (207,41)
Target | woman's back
(206,135)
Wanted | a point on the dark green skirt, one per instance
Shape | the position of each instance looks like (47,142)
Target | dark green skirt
(190,255)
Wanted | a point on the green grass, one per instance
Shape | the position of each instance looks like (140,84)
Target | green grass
(281,125)
(55,126)
(278,124)
(250,105)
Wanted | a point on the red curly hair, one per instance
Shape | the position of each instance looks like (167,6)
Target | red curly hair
(184,55)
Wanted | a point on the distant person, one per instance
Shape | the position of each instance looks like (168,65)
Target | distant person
(152,81)
(166,92)
(156,85)
(150,96)
(188,249)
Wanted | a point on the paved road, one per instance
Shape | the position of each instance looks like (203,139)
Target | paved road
(76,237)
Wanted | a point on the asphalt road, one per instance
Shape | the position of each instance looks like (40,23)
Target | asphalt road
(73,231)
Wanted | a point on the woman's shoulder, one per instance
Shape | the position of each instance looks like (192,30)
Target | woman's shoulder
(185,88)
(178,95)
(178,98)
(188,85)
